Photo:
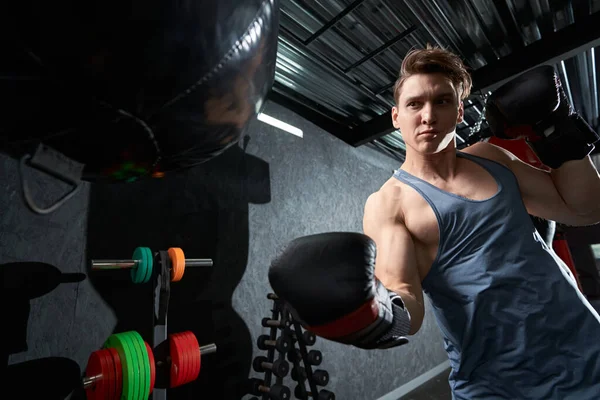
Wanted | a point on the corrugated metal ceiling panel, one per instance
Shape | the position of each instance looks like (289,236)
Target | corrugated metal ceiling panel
(343,56)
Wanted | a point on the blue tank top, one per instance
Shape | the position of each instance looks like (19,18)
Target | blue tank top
(515,325)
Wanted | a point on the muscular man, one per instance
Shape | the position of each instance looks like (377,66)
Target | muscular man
(456,226)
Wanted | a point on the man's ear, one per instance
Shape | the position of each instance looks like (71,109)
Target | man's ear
(461,112)
(395,117)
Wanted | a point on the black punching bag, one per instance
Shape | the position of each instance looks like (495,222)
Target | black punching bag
(133,88)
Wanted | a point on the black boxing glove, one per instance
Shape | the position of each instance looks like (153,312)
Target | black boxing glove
(535,107)
(328,282)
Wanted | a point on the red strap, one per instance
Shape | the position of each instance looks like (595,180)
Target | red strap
(350,323)
(521,150)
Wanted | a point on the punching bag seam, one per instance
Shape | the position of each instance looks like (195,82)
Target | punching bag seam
(235,48)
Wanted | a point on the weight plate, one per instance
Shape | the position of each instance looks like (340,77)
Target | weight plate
(139,272)
(188,356)
(118,373)
(150,265)
(185,356)
(110,374)
(196,356)
(177,360)
(130,373)
(96,368)
(152,366)
(136,343)
(147,369)
(177,263)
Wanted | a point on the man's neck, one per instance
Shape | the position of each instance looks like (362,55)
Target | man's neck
(431,167)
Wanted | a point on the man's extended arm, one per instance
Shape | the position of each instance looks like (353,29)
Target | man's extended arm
(395,263)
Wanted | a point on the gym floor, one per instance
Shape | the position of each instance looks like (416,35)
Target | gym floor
(435,389)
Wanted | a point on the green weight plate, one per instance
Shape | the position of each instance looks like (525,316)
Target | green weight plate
(128,361)
(150,265)
(138,274)
(144,365)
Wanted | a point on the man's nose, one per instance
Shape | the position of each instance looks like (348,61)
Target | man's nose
(428,114)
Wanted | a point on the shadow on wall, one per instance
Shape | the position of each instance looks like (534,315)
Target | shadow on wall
(21,282)
(204,211)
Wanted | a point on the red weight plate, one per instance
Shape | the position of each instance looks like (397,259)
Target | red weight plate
(185,347)
(118,373)
(110,374)
(176,361)
(183,357)
(98,389)
(188,356)
(152,366)
(196,356)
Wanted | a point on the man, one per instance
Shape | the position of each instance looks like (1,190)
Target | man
(456,226)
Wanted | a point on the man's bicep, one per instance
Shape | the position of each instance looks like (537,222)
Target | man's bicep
(395,263)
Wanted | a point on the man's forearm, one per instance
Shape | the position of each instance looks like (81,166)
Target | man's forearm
(578,183)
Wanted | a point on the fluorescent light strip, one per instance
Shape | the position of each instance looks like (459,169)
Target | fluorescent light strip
(267,119)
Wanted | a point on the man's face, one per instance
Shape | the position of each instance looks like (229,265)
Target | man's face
(427,113)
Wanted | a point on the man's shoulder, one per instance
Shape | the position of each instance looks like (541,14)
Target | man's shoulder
(391,190)
(488,151)
(387,201)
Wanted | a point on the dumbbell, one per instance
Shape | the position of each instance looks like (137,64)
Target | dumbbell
(279,367)
(142,263)
(277,323)
(275,392)
(319,376)
(282,344)
(125,367)
(308,337)
(322,395)
(313,357)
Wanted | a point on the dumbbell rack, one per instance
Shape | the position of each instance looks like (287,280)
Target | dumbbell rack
(161,282)
(177,355)
(292,332)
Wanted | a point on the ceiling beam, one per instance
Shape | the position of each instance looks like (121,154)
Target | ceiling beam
(551,49)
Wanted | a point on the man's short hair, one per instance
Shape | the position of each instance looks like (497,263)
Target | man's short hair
(431,60)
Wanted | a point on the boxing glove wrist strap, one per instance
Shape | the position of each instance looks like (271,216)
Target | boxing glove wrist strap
(387,323)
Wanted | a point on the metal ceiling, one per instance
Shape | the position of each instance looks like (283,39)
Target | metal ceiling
(338,59)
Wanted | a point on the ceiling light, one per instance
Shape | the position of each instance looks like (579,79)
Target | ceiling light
(267,119)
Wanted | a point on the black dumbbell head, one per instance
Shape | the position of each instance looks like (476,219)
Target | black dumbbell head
(256,364)
(281,368)
(321,377)
(279,392)
(309,338)
(326,395)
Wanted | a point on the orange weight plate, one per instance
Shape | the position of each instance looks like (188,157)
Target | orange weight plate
(177,263)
